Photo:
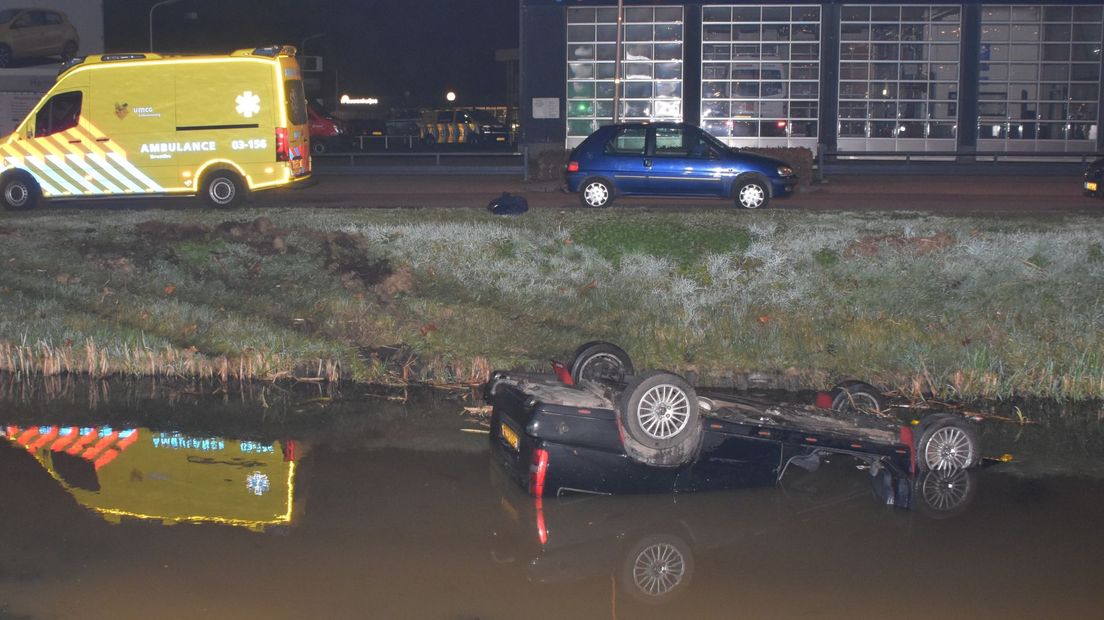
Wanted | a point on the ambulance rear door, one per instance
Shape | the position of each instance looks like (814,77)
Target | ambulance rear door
(225,117)
(296,119)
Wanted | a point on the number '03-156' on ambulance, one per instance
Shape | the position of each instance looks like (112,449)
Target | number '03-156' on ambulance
(218,127)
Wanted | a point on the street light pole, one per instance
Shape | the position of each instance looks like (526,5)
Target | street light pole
(617,64)
(152,9)
(303,43)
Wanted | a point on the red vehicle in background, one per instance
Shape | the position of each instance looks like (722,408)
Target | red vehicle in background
(326,132)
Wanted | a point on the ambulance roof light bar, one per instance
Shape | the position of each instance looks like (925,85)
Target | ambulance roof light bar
(270,51)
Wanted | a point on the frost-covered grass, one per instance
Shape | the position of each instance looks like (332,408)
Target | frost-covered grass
(968,306)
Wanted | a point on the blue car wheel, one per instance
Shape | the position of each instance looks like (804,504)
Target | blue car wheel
(596,193)
(752,194)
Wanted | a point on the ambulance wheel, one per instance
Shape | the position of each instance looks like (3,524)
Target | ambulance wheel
(18,191)
(223,189)
(659,414)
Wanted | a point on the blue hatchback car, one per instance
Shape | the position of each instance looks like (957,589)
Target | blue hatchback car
(672,159)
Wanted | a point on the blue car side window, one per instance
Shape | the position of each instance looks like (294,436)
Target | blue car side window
(628,141)
(683,142)
(672,142)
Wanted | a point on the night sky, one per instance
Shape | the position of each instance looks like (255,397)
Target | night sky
(406,52)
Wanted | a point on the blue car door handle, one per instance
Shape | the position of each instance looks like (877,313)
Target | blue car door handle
(647,163)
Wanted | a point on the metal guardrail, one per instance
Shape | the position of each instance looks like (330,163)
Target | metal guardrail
(952,162)
(406,141)
(425,162)
(961,156)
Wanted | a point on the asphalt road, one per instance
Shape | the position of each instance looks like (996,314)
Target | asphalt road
(961,194)
(861,192)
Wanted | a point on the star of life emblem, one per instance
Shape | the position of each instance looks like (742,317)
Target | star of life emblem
(257,483)
(248,104)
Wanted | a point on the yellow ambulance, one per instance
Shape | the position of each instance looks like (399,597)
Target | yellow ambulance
(218,127)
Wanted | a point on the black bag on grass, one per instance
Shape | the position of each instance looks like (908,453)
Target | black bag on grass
(508,204)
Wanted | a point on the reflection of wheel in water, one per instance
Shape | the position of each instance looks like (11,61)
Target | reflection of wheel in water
(657,568)
(944,494)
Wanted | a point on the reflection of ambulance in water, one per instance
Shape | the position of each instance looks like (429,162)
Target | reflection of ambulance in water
(170,478)
(139,124)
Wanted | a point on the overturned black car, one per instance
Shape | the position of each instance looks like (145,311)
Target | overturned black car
(596,427)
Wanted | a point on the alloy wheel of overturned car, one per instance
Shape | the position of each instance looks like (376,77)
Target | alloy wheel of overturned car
(660,416)
(663,411)
(751,194)
(601,361)
(947,447)
(596,193)
(5,55)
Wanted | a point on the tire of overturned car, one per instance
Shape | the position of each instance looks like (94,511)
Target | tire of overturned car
(947,442)
(857,396)
(660,420)
(601,361)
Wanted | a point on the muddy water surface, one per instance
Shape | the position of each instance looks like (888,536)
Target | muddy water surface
(366,508)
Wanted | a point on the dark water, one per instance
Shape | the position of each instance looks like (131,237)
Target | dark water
(367,508)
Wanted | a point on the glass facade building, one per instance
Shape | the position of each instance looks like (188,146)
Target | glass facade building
(1039,76)
(761,74)
(898,84)
(651,66)
(849,77)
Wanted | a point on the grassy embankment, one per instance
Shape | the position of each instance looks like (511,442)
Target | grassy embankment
(988,306)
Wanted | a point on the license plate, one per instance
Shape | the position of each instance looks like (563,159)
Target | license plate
(500,139)
(511,437)
(1090,185)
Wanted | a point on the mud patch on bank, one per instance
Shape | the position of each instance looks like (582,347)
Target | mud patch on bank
(260,234)
(351,259)
(872,245)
